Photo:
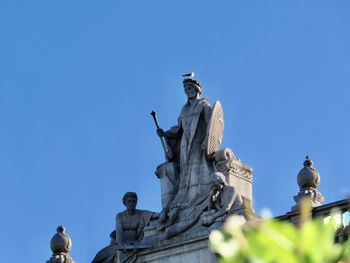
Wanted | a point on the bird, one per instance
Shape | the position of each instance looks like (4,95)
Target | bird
(188,75)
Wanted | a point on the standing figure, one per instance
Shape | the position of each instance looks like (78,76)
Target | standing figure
(194,168)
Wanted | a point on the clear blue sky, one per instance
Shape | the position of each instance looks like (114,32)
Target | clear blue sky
(78,80)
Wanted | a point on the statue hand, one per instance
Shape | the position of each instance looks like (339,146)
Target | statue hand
(160,132)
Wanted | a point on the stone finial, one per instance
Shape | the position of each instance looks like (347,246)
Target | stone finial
(60,242)
(61,245)
(308,180)
(308,177)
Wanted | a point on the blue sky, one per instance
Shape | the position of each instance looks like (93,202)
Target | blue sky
(78,80)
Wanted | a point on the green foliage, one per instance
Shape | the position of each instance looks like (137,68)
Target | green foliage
(272,241)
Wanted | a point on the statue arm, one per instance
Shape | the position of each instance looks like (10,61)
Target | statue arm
(170,134)
(119,231)
(174,132)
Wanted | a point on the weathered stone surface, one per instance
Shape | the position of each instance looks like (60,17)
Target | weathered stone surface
(237,174)
(194,251)
(308,177)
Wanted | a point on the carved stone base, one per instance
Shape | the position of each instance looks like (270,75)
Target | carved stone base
(190,246)
(311,195)
(237,174)
(60,258)
(195,250)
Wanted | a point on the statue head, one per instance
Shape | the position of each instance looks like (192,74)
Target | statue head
(130,200)
(217,180)
(192,88)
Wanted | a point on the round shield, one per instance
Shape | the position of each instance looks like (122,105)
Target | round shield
(215,130)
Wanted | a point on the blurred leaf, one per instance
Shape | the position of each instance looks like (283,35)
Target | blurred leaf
(274,241)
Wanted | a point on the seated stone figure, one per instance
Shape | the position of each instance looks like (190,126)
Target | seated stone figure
(224,199)
(128,233)
(130,223)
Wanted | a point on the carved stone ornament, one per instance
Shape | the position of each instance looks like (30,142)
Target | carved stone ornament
(227,163)
(308,180)
(308,177)
(215,130)
(60,245)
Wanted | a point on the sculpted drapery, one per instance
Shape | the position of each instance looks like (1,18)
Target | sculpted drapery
(194,168)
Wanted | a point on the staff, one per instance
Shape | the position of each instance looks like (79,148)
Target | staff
(154,115)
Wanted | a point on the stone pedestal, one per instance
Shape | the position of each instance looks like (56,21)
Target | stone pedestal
(192,246)
(308,180)
(195,250)
(240,176)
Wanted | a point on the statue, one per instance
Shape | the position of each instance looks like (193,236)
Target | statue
(223,200)
(201,184)
(187,145)
(130,223)
(128,233)
(190,137)
(193,159)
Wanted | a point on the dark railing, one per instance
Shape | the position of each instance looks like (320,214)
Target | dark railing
(341,210)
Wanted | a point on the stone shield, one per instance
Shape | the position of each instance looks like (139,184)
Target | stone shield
(215,130)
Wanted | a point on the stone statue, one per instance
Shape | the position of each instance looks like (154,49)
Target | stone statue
(193,161)
(60,245)
(130,223)
(187,143)
(223,200)
(201,185)
(128,234)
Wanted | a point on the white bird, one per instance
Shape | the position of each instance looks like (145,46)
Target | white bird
(188,75)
